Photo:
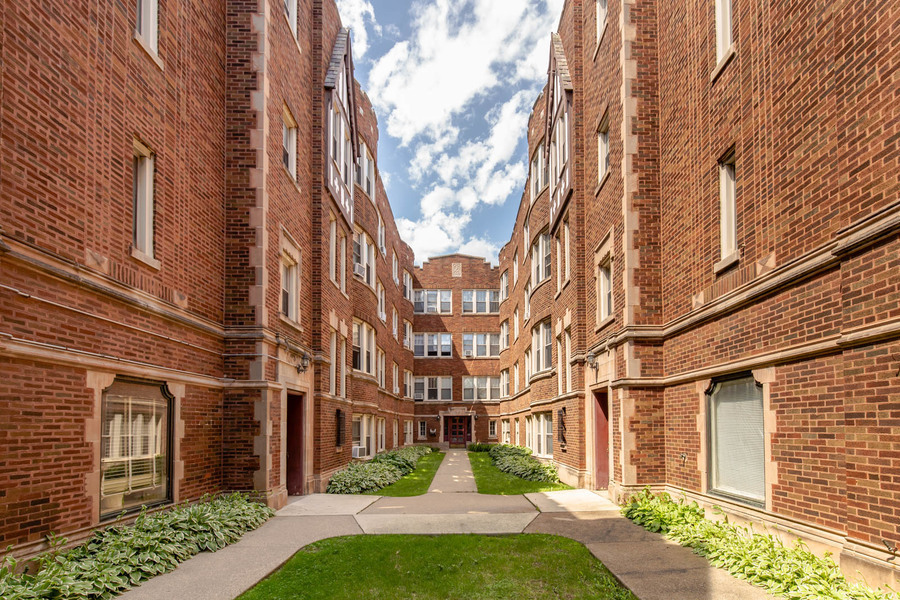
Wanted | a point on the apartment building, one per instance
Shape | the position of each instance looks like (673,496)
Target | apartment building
(703,272)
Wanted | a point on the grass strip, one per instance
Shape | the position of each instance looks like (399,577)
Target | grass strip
(463,567)
(491,480)
(415,483)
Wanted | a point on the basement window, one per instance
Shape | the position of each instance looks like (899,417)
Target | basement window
(737,440)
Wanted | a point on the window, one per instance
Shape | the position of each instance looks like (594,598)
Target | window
(604,289)
(148,23)
(723,28)
(504,383)
(541,434)
(518,433)
(143,199)
(342,364)
(407,432)
(481,301)
(395,322)
(727,208)
(290,283)
(504,432)
(603,150)
(407,384)
(382,314)
(435,389)
(332,369)
(526,238)
(338,428)
(422,429)
(562,255)
(289,143)
(381,235)
(364,258)
(395,378)
(526,311)
(516,268)
(381,433)
(481,345)
(567,342)
(540,259)
(492,429)
(380,369)
(290,8)
(407,334)
(481,388)
(365,175)
(601,18)
(134,443)
(516,378)
(433,345)
(364,434)
(332,249)
(395,268)
(432,301)
(541,344)
(504,335)
(537,173)
(504,285)
(737,439)
(407,286)
(516,324)
(363,347)
(342,263)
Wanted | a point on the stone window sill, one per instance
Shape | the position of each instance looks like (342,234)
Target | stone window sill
(142,43)
(729,54)
(145,258)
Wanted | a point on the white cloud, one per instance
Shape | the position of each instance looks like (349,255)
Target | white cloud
(359,15)
(482,247)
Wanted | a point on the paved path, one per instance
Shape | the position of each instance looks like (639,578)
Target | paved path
(652,567)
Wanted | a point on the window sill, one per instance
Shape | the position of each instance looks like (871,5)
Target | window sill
(145,258)
(604,322)
(600,39)
(562,289)
(727,262)
(601,184)
(291,176)
(729,54)
(290,322)
(287,19)
(140,41)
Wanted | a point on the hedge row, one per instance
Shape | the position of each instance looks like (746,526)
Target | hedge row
(384,469)
(121,556)
(517,460)
(480,447)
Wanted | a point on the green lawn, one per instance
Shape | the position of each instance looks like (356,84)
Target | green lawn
(417,482)
(491,480)
(463,567)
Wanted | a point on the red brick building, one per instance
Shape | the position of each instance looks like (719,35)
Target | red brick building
(202,287)
(714,190)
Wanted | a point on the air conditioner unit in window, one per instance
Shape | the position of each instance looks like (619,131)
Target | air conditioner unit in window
(383,316)
(359,451)
(419,397)
(396,281)
(383,250)
(467,354)
(359,270)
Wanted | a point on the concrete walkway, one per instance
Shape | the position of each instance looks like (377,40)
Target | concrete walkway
(652,567)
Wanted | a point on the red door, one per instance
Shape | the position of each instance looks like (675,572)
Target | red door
(458,430)
(294,432)
(601,440)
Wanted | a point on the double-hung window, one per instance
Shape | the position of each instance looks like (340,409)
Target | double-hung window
(143,199)
(364,258)
(604,288)
(540,258)
(480,301)
(147,26)
(290,283)
(481,345)
(542,344)
(434,389)
(364,347)
(289,143)
(432,301)
(723,28)
(433,345)
(601,18)
(481,388)
(603,150)
(727,207)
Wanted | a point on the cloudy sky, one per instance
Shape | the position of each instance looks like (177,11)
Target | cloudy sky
(453,83)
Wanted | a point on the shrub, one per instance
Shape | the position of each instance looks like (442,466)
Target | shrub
(761,559)
(384,469)
(121,556)
(480,447)
(527,467)
(508,450)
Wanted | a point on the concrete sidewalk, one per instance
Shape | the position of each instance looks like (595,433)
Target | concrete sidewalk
(653,568)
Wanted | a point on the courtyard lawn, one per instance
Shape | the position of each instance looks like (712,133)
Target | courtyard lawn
(519,567)
(491,480)
(417,482)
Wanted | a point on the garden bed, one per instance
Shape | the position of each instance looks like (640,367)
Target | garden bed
(384,469)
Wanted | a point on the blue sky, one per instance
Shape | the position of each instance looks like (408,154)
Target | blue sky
(453,83)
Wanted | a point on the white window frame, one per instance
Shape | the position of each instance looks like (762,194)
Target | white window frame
(382,312)
(504,383)
(516,378)
(749,452)
(147,24)
(407,433)
(395,378)
(727,207)
(724,28)
(364,255)
(407,383)
(603,150)
(481,345)
(481,388)
(423,430)
(143,199)
(364,338)
(290,12)
(380,369)
(602,13)
(440,386)
(432,298)
(481,301)
(604,283)
(290,282)
(441,342)
(541,345)
(492,428)
(289,142)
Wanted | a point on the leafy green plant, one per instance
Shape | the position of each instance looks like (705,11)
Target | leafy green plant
(479,447)
(121,556)
(384,469)
(517,460)
(762,559)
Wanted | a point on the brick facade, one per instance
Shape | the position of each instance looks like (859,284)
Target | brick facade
(807,306)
